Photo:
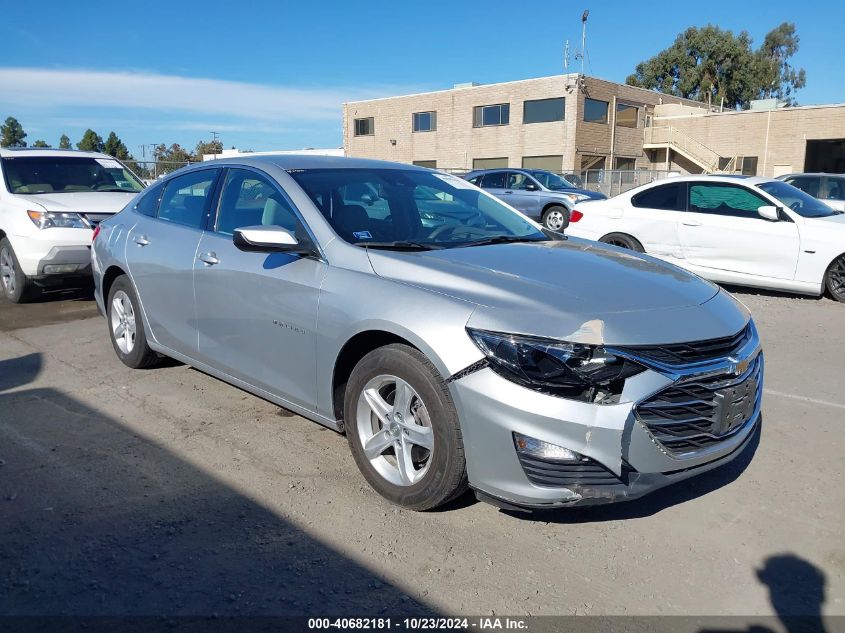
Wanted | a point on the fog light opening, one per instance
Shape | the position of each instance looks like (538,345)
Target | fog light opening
(533,447)
(52,269)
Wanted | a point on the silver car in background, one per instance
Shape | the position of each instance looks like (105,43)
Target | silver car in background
(452,353)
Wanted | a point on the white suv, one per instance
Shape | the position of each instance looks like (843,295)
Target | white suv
(50,202)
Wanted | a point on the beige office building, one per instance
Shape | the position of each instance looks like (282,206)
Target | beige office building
(572,123)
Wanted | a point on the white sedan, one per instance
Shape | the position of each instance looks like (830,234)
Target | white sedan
(729,229)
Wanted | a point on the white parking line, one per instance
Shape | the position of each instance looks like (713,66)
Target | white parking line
(792,396)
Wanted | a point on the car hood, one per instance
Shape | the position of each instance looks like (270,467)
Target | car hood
(836,220)
(592,195)
(83,201)
(573,289)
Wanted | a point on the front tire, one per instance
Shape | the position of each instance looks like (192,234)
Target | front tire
(834,279)
(556,218)
(126,326)
(403,428)
(16,286)
(623,240)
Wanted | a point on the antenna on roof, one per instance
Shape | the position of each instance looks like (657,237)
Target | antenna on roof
(584,17)
(566,58)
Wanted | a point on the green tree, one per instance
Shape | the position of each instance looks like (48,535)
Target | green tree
(208,147)
(64,142)
(779,79)
(12,134)
(115,147)
(710,64)
(171,158)
(40,143)
(91,142)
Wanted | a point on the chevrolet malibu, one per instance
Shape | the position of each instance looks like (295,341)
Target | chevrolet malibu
(451,354)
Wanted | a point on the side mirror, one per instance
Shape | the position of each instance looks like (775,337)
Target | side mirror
(268,239)
(368,199)
(769,212)
(530,186)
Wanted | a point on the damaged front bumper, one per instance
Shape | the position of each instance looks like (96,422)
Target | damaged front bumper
(623,460)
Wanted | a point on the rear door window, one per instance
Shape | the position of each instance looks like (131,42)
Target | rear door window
(808,184)
(496,180)
(186,199)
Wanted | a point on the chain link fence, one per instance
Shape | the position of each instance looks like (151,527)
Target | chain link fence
(150,170)
(610,182)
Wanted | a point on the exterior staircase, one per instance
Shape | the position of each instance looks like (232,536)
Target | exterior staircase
(670,138)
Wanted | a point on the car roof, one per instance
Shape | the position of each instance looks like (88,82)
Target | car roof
(816,174)
(7,152)
(310,161)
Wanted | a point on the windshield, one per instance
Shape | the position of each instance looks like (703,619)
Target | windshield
(67,174)
(552,181)
(412,208)
(802,203)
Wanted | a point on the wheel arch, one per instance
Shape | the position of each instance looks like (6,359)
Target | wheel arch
(112,272)
(827,268)
(358,346)
(624,234)
(555,203)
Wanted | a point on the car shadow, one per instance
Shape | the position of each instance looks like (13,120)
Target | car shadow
(100,520)
(654,502)
(777,294)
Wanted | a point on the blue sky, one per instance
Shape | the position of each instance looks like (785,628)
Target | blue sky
(272,74)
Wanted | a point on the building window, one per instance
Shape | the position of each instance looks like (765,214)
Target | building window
(431,164)
(627,115)
(425,121)
(365,127)
(543,110)
(592,168)
(627,167)
(489,163)
(595,111)
(498,114)
(749,165)
(549,163)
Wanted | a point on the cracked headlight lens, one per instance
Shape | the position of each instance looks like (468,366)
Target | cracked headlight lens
(569,370)
(52,219)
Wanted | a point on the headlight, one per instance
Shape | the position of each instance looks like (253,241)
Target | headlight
(50,219)
(577,197)
(570,370)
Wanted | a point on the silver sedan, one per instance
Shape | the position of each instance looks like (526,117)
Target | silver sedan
(456,342)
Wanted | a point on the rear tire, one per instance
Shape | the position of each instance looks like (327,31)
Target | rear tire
(415,454)
(834,279)
(16,286)
(126,326)
(622,240)
(556,218)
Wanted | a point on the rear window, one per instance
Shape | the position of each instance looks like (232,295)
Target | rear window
(67,174)
(664,197)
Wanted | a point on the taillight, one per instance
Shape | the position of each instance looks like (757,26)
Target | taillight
(575,215)
(96,232)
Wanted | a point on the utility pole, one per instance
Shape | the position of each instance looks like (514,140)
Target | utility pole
(214,136)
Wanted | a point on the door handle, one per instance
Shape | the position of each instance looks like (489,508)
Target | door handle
(209,259)
(691,223)
(507,192)
(142,240)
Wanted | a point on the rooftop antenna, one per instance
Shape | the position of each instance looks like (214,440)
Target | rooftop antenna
(584,17)
(566,58)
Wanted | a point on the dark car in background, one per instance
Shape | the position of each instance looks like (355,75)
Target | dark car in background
(829,188)
(541,195)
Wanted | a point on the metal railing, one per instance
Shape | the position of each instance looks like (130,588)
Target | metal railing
(612,182)
(683,143)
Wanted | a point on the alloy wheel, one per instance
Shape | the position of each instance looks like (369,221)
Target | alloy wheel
(123,322)
(7,271)
(837,278)
(395,430)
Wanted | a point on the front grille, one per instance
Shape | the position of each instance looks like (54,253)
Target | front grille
(584,473)
(698,412)
(95,218)
(695,352)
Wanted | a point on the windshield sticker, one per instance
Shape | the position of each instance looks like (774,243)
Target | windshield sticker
(109,163)
(457,183)
(362,235)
